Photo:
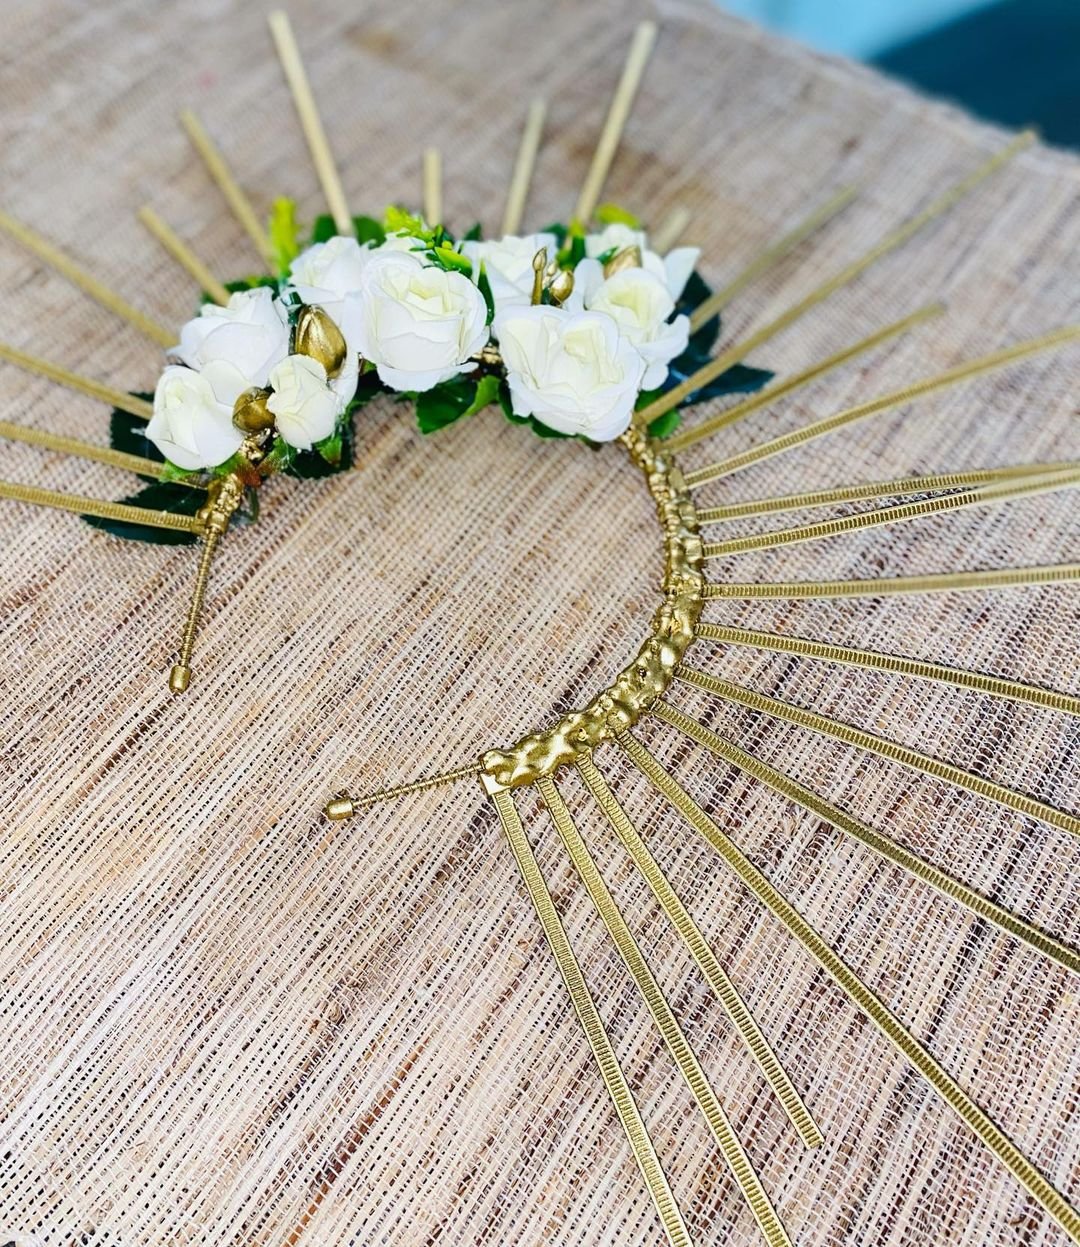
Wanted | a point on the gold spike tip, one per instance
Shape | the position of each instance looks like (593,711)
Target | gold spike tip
(339,809)
(179,678)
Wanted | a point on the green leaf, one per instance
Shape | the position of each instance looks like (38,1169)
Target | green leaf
(326,458)
(612,214)
(330,448)
(443,404)
(176,499)
(487,391)
(739,379)
(369,230)
(484,286)
(696,291)
(473,235)
(665,425)
(284,234)
(323,228)
(559,230)
(398,221)
(450,260)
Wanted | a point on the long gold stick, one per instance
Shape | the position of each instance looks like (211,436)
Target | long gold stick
(826,651)
(80,449)
(621,103)
(670,229)
(701,950)
(990,1135)
(880,489)
(518,194)
(432,186)
(938,582)
(74,381)
(78,276)
(183,254)
(719,299)
(221,173)
(792,790)
(734,354)
(905,511)
(918,389)
(676,1042)
(688,437)
(291,62)
(344,806)
(891,750)
(589,1016)
(101,510)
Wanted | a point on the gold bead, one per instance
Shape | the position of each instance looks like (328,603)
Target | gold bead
(628,257)
(179,678)
(340,808)
(561,286)
(317,337)
(250,412)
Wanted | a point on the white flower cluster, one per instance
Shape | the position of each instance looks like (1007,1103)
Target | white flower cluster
(578,368)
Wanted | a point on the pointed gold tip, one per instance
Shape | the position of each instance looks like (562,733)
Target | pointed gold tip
(179,678)
(339,809)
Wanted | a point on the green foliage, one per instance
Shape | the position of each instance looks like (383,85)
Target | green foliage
(665,425)
(484,286)
(367,229)
(541,430)
(475,234)
(450,260)
(284,234)
(453,400)
(612,214)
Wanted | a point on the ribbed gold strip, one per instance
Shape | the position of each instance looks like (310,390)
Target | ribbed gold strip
(982,497)
(74,381)
(879,489)
(674,1039)
(891,750)
(78,276)
(906,394)
(688,437)
(991,685)
(940,582)
(719,299)
(898,1035)
(518,194)
(881,844)
(700,949)
(102,510)
(183,254)
(344,806)
(80,449)
(890,242)
(589,1017)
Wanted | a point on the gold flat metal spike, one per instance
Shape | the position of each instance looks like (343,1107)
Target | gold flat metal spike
(343,806)
(719,299)
(1004,920)
(937,582)
(670,229)
(81,505)
(219,170)
(724,419)
(183,254)
(880,489)
(896,238)
(891,750)
(518,194)
(944,1085)
(676,1042)
(81,450)
(700,949)
(621,102)
(84,385)
(984,496)
(432,186)
(321,156)
(78,276)
(979,366)
(826,651)
(589,1016)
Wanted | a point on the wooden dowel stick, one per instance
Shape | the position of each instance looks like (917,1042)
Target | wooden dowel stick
(74,381)
(183,255)
(291,62)
(518,194)
(621,103)
(670,229)
(433,210)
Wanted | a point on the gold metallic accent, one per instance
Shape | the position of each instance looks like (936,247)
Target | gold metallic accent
(344,806)
(628,257)
(250,412)
(78,276)
(101,510)
(670,229)
(719,299)
(621,103)
(561,286)
(539,264)
(792,790)
(676,1042)
(700,949)
(938,582)
(648,676)
(891,750)
(339,809)
(518,194)
(991,685)
(589,1016)
(990,1135)
(432,188)
(84,385)
(985,496)
(82,450)
(730,416)
(735,354)
(917,389)
(219,170)
(879,489)
(183,254)
(316,336)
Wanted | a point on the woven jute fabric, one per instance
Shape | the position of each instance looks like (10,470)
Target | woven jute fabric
(227,1021)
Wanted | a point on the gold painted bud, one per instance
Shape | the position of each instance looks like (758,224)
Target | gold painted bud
(561,287)
(317,337)
(250,412)
(539,264)
(628,257)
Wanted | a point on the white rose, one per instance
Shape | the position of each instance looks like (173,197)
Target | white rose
(419,325)
(305,407)
(573,371)
(234,347)
(639,303)
(674,269)
(328,273)
(508,263)
(189,426)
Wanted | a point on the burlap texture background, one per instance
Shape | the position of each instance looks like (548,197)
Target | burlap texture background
(226,1021)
